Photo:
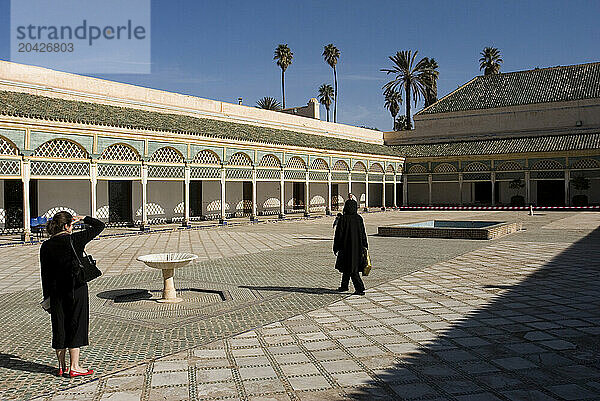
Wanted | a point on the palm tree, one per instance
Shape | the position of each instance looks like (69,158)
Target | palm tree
(410,76)
(284,57)
(331,54)
(431,86)
(326,96)
(393,99)
(490,61)
(268,103)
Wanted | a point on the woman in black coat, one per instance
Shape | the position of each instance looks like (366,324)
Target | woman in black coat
(350,239)
(69,303)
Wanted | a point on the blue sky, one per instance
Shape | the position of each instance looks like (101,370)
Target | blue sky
(224,50)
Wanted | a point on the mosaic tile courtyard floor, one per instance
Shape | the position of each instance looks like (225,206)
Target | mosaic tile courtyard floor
(511,319)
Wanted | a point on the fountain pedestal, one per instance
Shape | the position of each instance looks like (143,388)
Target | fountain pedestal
(168,262)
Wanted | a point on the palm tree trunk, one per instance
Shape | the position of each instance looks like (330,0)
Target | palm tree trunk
(283,86)
(407,90)
(327,108)
(336,95)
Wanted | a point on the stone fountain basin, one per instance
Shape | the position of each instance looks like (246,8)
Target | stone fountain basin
(167,261)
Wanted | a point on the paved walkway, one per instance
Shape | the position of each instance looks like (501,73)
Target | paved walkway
(510,319)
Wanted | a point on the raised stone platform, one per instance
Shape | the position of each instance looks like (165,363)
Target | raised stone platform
(451,229)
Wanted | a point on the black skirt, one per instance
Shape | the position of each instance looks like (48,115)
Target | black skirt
(70,315)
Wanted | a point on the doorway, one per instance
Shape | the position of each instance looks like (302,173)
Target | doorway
(483,192)
(551,193)
(247,197)
(119,202)
(195,198)
(298,194)
(334,196)
(13,204)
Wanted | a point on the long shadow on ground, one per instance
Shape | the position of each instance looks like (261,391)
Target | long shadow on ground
(537,341)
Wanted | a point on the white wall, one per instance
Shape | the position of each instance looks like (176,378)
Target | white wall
(211,198)
(72,194)
(318,196)
(165,197)
(234,195)
(375,194)
(267,197)
(102,200)
(445,193)
(418,193)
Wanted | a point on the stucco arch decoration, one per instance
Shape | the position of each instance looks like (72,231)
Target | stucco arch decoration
(61,149)
(7,148)
(341,165)
(417,169)
(375,168)
(120,152)
(586,164)
(296,162)
(167,154)
(207,156)
(390,170)
(509,166)
(547,165)
(270,160)
(444,168)
(240,159)
(476,166)
(359,166)
(319,164)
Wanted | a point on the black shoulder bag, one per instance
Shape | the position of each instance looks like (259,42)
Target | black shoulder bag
(87,266)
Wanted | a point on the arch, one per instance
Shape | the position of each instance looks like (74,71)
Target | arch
(271,203)
(390,170)
(376,168)
(319,164)
(167,154)
(296,162)
(341,165)
(120,152)
(359,166)
(547,165)
(509,166)
(7,147)
(51,212)
(207,156)
(270,160)
(417,169)
(586,164)
(240,159)
(152,209)
(61,149)
(444,168)
(476,166)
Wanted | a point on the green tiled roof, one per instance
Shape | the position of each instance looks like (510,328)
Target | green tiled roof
(552,143)
(543,85)
(47,108)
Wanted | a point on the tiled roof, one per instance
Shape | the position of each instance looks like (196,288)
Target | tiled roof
(53,109)
(551,143)
(542,85)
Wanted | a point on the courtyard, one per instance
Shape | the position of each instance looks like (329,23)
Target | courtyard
(515,318)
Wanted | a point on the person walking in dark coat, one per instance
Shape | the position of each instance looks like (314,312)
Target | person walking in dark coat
(69,303)
(350,239)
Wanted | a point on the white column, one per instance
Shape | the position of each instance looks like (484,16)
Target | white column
(366,191)
(350,183)
(253,216)
(281,194)
(223,216)
(93,188)
(460,188)
(404,190)
(144,195)
(187,174)
(307,202)
(430,184)
(527,188)
(493,178)
(328,207)
(395,191)
(383,194)
(567,187)
(26,209)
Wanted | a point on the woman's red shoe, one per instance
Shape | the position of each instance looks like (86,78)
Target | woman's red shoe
(60,372)
(77,374)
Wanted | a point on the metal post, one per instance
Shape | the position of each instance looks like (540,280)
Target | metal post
(282,194)
(253,216)
(395,191)
(350,182)
(186,196)
(383,194)
(223,216)
(26,207)
(366,192)
(144,196)
(93,188)
(328,207)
